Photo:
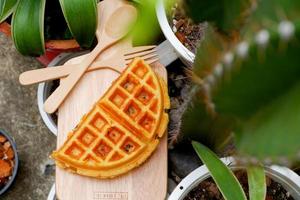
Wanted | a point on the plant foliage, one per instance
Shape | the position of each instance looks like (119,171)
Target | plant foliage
(221,174)
(6,8)
(28,27)
(249,77)
(28,22)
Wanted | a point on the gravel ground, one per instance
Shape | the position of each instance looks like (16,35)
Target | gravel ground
(20,118)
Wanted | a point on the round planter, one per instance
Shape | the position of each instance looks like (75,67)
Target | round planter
(44,90)
(184,54)
(51,195)
(289,180)
(15,170)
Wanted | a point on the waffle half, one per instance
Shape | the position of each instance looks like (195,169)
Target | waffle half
(122,129)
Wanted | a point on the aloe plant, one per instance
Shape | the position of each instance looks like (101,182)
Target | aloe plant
(28,22)
(246,74)
(225,179)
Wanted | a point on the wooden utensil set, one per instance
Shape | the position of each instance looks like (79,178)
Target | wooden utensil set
(111,31)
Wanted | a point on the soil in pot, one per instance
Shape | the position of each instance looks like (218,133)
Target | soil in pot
(53,87)
(209,190)
(187,32)
(55,23)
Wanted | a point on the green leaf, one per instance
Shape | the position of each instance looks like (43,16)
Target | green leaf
(210,51)
(274,132)
(221,174)
(198,124)
(263,76)
(225,15)
(257,182)
(262,94)
(81,17)
(6,8)
(28,27)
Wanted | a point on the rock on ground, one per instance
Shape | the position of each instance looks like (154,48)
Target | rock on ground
(19,117)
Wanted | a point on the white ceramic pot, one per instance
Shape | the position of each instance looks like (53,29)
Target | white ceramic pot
(289,180)
(184,54)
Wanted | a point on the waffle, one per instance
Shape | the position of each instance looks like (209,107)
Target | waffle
(122,129)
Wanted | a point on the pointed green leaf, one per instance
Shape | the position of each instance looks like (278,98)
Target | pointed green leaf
(81,17)
(227,16)
(257,182)
(274,132)
(256,81)
(197,124)
(28,27)
(6,8)
(221,174)
(262,94)
(210,51)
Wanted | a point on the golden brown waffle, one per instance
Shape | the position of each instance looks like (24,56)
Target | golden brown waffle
(122,129)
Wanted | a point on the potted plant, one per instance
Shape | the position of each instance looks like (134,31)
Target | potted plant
(37,26)
(226,178)
(245,81)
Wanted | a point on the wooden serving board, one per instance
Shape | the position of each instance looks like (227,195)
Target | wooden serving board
(147,182)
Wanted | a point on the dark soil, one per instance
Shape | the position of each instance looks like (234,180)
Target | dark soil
(188,33)
(209,190)
(55,23)
(53,87)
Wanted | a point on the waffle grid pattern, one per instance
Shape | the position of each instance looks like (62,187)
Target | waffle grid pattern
(122,129)
(100,142)
(138,102)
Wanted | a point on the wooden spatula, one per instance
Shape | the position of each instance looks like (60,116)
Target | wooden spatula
(112,27)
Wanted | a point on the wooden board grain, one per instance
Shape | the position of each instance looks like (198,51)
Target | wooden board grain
(147,182)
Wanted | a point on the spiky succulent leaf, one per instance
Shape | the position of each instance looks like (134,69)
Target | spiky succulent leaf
(273,133)
(198,124)
(81,17)
(261,93)
(6,8)
(265,75)
(251,86)
(28,27)
(274,10)
(257,182)
(221,174)
(213,46)
(226,16)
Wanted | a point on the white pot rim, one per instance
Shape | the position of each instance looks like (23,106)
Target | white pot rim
(184,54)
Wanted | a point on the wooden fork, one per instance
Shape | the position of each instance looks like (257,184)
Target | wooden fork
(148,53)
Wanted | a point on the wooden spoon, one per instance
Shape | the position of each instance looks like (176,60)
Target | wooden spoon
(111,28)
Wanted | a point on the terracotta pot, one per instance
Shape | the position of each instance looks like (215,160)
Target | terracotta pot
(53,47)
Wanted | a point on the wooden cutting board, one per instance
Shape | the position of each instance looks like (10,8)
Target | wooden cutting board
(147,182)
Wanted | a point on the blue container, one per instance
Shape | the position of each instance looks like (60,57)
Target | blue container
(15,169)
